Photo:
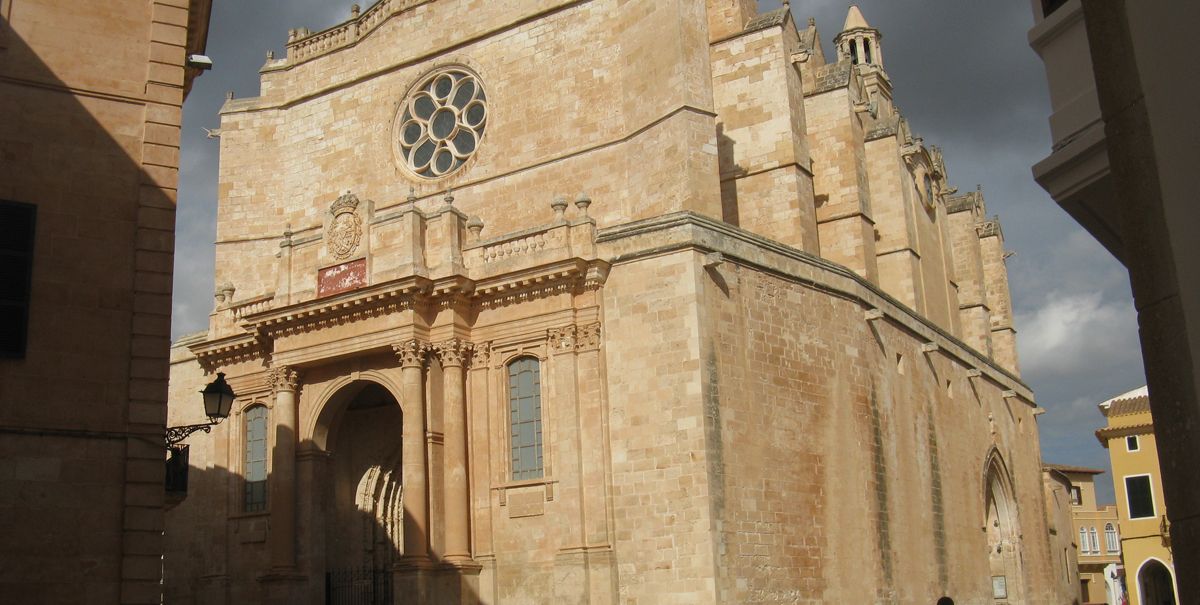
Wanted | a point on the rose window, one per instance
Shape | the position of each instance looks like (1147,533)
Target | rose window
(442,122)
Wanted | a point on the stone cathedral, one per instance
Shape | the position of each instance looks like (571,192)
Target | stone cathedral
(601,301)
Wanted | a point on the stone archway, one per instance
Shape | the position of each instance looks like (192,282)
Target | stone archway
(365,527)
(1155,584)
(1002,527)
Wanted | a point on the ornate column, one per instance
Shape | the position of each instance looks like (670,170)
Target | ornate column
(454,354)
(282,502)
(412,354)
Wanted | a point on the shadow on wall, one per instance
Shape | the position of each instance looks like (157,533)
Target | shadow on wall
(82,402)
(350,524)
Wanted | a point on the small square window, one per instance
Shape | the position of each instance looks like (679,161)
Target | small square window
(1131,443)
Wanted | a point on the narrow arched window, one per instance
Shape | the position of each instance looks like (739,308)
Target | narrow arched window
(854,52)
(255,497)
(1083,540)
(525,417)
(1110,538)
(1095,541)
(866,51)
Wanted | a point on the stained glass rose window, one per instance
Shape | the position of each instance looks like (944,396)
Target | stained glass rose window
(442,122)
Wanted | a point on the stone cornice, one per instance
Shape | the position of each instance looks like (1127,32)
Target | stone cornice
(213,354)
(687,230)
(358,304)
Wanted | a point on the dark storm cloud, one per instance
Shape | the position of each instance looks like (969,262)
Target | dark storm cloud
(968,82)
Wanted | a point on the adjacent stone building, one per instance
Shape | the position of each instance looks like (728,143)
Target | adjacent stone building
(90,108)
(1094,536)
(550,301)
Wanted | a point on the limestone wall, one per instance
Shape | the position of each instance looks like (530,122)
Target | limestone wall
(91,95)
(640,136)
(766,171)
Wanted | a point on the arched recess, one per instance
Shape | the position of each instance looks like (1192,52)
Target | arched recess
(326,415)
(1003,529)
(357,423)
(1156,583)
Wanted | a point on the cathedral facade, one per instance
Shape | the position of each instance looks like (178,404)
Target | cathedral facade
(601,301)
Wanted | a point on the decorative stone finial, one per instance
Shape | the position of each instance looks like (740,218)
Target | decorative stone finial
(812,22)
(475,226)
(412,196)
(270,55)
(560,207)
(354,11)
(229,95)
(449,197)
(287,236)
(582,202)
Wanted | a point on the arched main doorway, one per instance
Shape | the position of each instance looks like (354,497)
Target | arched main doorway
(364,519)
(1155,584)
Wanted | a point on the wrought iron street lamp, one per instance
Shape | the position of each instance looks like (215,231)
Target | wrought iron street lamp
(218,399)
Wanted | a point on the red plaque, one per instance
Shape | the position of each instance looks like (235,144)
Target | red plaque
(342,278)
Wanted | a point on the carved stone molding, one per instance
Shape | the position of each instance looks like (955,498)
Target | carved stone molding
(344,232)
(562,339)
(284,378)
(453,352)
(574,338)
(482,355)
(588,337)
(412,353)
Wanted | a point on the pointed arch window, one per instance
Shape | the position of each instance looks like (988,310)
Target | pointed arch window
(254,499)
(525,418)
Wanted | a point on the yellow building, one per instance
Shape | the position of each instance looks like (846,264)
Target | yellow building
(1095,534)
(1145,537)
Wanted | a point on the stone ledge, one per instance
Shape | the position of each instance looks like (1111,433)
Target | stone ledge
(687,230)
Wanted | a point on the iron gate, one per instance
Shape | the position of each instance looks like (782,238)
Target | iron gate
(358,586)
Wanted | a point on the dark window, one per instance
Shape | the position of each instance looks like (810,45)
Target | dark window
(867,51)
(1131,443)
(1076,497)
(255,498)
(854,52)
(1049,6)
(525,419)
(17,223)
(1141,501)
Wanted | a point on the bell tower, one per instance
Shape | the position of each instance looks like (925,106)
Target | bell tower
(858,41)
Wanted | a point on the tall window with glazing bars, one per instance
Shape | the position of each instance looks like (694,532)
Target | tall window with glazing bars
(255,498)
(525,417)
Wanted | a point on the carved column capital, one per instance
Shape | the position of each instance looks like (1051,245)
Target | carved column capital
(587,338)
(453,352)
(562,339)
(481,356)
(284,378)
(412,353)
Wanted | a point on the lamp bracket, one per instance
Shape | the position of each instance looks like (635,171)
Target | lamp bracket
(175,434)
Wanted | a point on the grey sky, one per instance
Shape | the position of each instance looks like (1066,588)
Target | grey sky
(965,78)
